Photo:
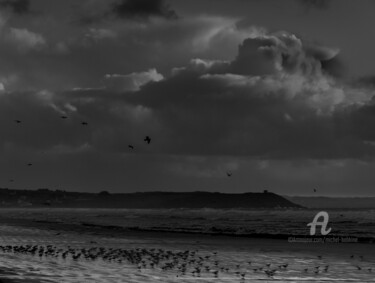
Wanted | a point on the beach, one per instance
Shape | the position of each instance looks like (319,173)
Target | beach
(34,249)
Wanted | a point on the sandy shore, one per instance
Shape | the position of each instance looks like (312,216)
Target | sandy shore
(136,256)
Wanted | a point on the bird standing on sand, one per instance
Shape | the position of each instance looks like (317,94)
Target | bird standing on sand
(147,139)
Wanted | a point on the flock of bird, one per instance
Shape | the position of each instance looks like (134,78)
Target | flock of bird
(147,140)
(188,263)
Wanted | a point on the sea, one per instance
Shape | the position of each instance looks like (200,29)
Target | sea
(358,223)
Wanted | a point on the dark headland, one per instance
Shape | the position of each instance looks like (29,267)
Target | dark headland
(152,200)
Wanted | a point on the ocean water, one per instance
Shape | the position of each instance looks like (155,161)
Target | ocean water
(346,223)
(219,259)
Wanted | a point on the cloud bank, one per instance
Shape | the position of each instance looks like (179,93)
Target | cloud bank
(273,100)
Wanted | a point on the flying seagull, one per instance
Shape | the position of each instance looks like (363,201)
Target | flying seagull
(130,146)
(29,164)
(17,121)
(63,117)
(229,174)
(147,139)
(84,123)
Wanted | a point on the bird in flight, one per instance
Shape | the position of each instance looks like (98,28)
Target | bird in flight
(11,180)
(17,121)
(131,146)
(229,174)
(314,190)
(84,123)
(63,117)
(29,164)
(147,139)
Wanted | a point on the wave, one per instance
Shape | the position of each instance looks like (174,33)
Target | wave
(229,232)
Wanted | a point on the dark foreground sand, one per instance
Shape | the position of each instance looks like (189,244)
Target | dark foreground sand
(39,251)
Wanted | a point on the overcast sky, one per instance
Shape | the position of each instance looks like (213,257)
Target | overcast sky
(280,94)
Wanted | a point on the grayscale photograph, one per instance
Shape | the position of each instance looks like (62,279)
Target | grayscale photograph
(163,141)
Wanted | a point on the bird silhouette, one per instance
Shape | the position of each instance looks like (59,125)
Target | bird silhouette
(17,121)
(314,190)
(29,164)
(63,117)
(84,123)
(229,174)
(11,180)
(147,139)
(131,146)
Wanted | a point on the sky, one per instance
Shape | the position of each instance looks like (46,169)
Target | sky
(277,94)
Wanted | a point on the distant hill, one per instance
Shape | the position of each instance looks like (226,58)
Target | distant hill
(58,198)
(334,202)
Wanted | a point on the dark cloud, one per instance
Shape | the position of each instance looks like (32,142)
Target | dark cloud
(223,115)
(335,67)
(277,98)
(141,46)
(367,81)
(281,51)
(190,115)
(143,9)
(316,4)
(96,11)
(17,6)
(330,59)
(274,100)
